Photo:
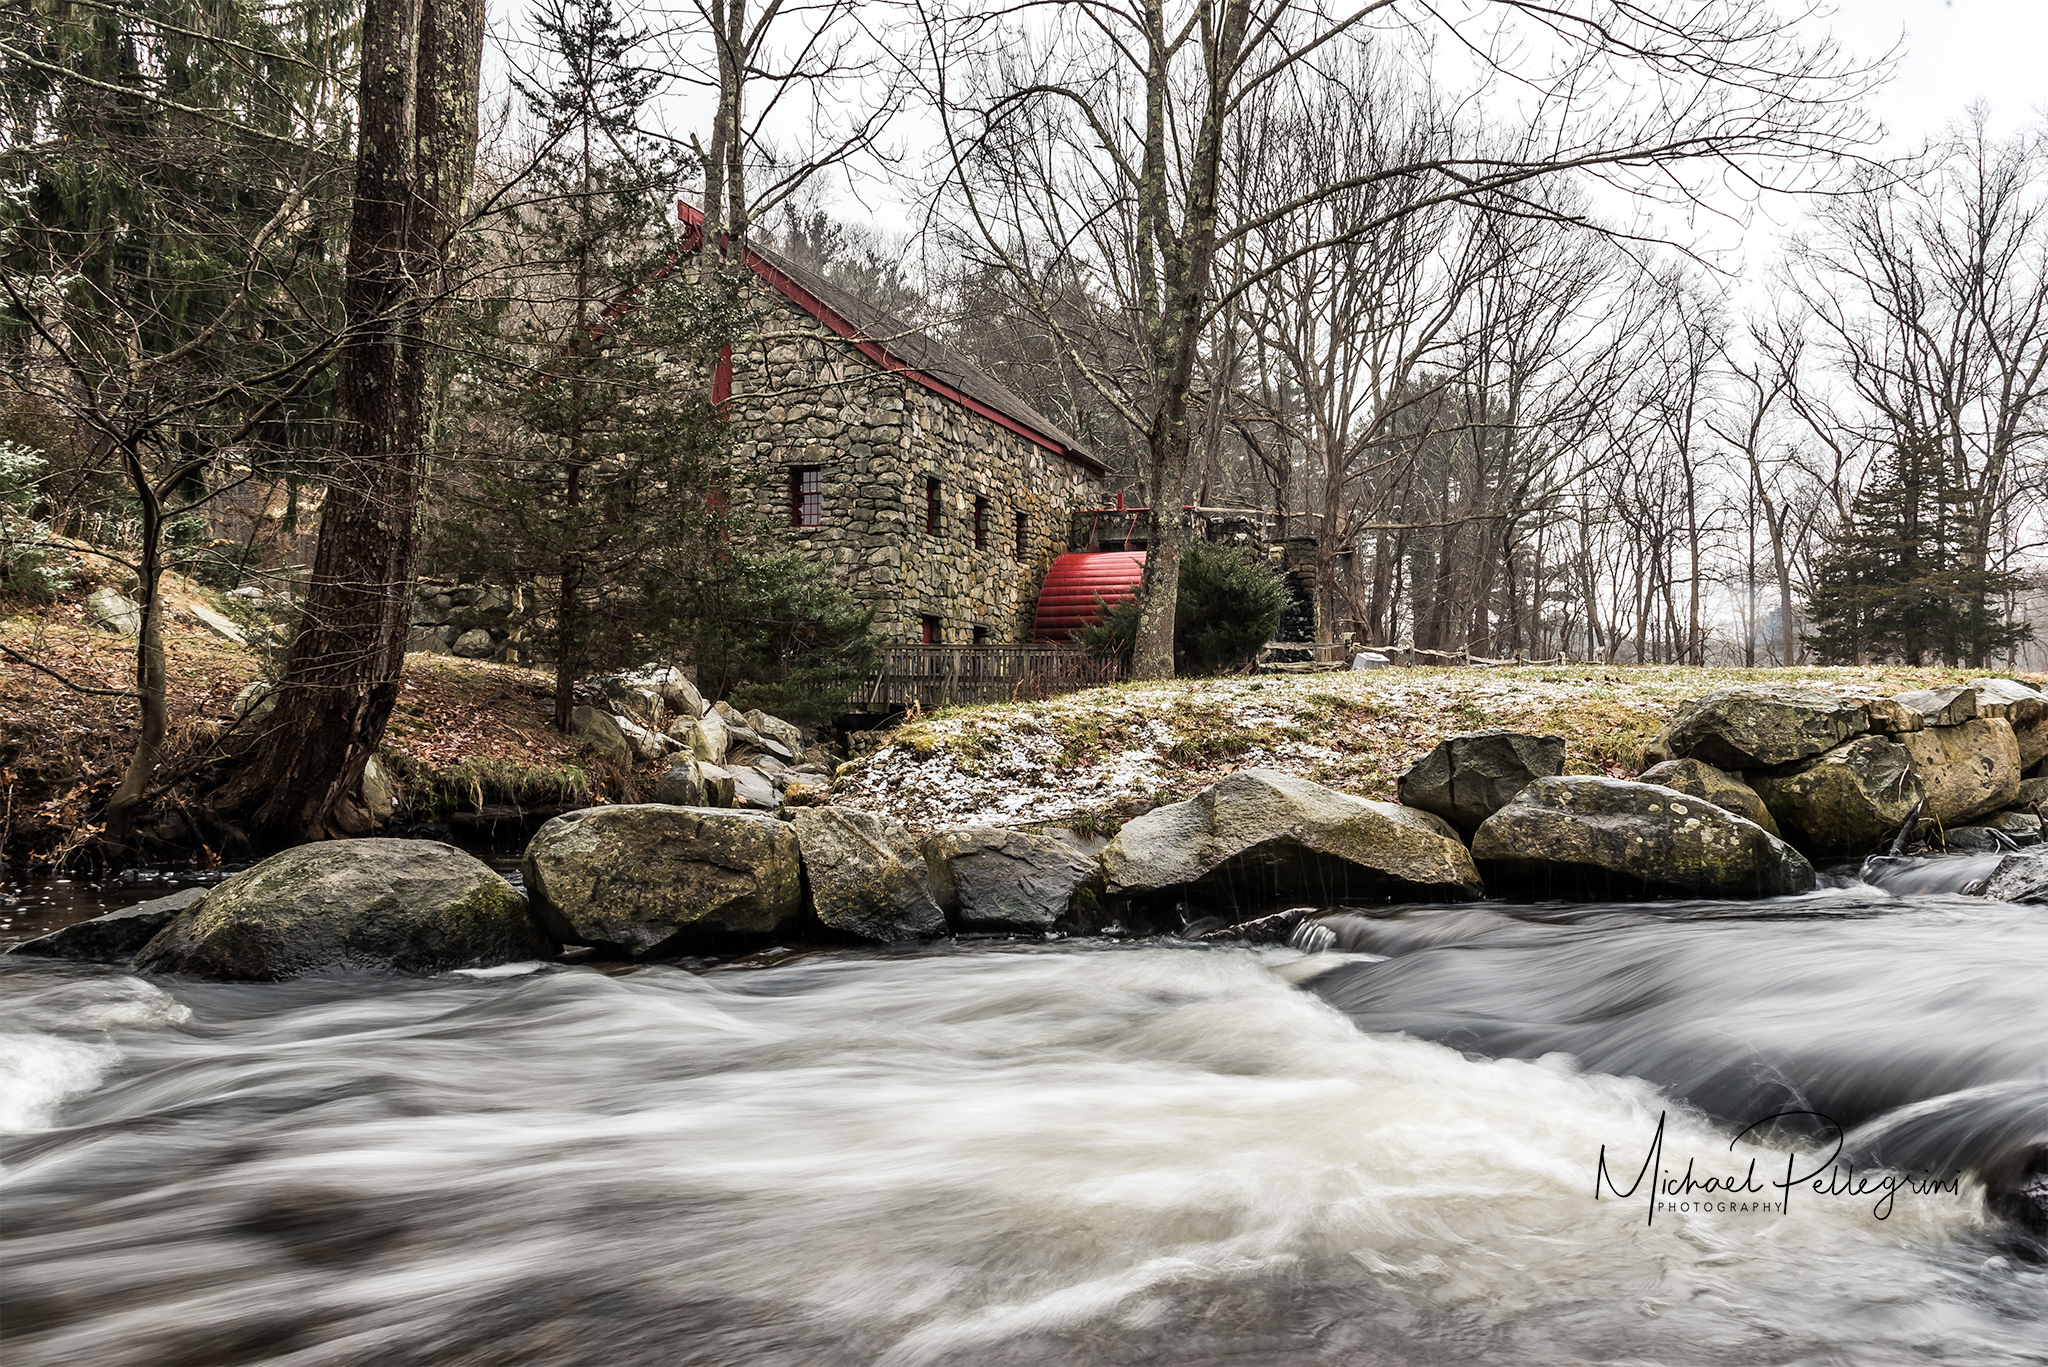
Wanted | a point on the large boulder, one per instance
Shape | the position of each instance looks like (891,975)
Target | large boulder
(681,695)
(2033,793)
(683,786)
(646,744)
(990,878)
(211,622)
(474,644)
(1951,705)
(719,790)
(1595,838)
(410,906)
(1699,779)
(2024,707)
(1967,770)
(116,935)
(1758,727)
(672,687)
(1260,835)
(1849,801)
(745,737)
(1890,717)
(751,787)
(1472,775)
(652,879)
(866,875)
(601,731)
(110,611)
(494,602)
(704,737)
(1996,697)
(786,734)
(2019,877)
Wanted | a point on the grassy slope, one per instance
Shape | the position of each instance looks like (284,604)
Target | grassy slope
(1097,757)
(464,732)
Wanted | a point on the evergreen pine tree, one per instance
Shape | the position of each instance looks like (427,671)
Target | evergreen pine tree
(589,455)
(169,189)
(1895,583)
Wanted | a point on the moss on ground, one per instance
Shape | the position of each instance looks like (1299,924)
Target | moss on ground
(1094,759)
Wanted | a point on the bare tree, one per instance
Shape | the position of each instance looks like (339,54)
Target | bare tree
(764,60)
(1928,293)
(1353,324)
(1098,135)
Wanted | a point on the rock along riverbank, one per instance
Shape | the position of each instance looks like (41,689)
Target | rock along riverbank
(1745,789)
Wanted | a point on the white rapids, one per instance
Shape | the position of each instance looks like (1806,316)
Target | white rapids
(1153,1154)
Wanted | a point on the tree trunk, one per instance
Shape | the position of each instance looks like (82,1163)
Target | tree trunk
(1175,262)
(149,659)
(416,154)
(567,660)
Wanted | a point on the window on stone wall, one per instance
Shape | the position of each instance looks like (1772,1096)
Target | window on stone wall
(981,636)
(981,524)
(1023,536)
(929,630)
(806,496)
(931,506)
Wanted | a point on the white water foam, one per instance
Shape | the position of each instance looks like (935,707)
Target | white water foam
(38,1071)
(1145,1155)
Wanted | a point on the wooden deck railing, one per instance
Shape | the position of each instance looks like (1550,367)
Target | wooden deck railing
(941,676)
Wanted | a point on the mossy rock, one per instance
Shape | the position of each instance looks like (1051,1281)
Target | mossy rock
(1849,801)
(1967,771)
(404,906)
(1704,781)
(866,875)
(1586,838)
(989,878)
(1260,835)
(1758,727)
(652,879)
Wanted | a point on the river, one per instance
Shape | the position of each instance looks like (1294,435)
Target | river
(1083,1152)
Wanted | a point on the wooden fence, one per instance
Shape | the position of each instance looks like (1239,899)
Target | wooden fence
(940,676)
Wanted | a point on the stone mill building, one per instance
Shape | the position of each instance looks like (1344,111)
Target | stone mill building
(940,497)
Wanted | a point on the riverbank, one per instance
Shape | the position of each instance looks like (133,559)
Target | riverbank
(465,734)
(470,736)
(1094,759)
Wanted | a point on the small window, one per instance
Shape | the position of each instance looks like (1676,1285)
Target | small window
(806,496)
(931,507)
(1023,536)
(981,524)
(930,627)
(981,636)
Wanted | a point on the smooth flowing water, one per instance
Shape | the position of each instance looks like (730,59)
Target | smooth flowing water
(1075,1153)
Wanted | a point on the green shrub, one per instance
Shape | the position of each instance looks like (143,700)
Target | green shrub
(774,632)
(1228,603)
(25,567)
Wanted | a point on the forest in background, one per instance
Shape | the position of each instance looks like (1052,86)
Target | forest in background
(1388,276)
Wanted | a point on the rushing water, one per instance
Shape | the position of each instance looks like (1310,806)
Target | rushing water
(1080,1153)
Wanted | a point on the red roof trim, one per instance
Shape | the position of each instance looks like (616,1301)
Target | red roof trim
(875,351)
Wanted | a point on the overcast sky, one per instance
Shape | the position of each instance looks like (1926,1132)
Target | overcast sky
(1953,52)
(1956,51)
